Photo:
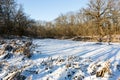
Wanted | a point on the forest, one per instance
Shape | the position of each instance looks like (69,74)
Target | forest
(99,19)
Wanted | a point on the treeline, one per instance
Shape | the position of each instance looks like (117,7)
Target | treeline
(99,18)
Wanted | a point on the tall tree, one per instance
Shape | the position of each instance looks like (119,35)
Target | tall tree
(8,8)
(98,11)
(1,19)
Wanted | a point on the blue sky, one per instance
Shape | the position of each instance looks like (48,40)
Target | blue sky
(48,10)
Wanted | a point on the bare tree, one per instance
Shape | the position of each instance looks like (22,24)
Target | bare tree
(7,8)
(98,11)
(1,18)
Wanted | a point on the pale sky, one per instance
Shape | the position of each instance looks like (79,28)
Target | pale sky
(48,10)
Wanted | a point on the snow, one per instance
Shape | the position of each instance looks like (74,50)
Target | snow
(55,59)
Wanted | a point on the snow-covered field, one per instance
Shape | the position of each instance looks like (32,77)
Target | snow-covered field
(54,59)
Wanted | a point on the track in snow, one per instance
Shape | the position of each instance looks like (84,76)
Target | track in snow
(49,47)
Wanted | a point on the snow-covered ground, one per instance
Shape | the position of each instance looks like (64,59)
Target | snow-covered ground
(54,59)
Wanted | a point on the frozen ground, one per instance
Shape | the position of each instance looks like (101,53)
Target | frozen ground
(54,59)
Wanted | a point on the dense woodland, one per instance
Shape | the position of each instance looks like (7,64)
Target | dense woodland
(100,18)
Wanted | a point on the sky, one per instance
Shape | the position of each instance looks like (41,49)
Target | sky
(48,10)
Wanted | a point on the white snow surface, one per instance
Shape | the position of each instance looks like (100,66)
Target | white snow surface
(55,59)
